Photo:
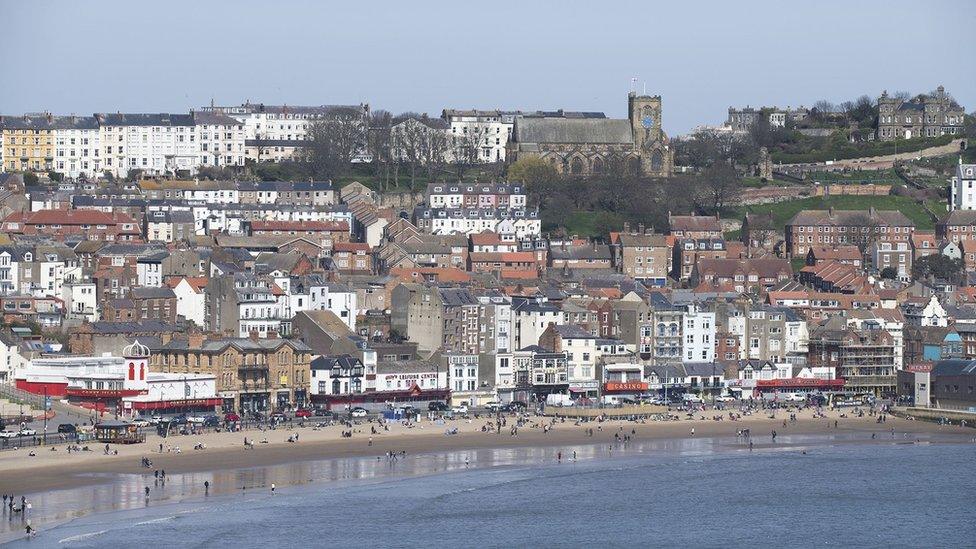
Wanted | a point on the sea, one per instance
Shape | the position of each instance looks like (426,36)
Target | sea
(806,491)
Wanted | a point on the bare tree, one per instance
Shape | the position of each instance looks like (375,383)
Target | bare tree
(721,187)
(334,142)
(378,144)
(864,230)
(419,142)
(466,147)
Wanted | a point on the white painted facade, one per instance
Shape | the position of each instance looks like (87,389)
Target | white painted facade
(80,301)
(77,151)
(962,195)
(699,336)
(190,304)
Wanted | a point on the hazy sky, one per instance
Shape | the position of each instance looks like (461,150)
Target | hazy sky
(170,55)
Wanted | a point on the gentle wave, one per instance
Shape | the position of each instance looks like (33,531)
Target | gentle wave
(81,537)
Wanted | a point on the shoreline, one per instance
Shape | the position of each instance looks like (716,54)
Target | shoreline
(48,471)
(96,486)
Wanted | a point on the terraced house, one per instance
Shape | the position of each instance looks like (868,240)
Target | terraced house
(811,228)
(252,375)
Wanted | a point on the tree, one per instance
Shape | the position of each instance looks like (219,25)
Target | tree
(30,179)
(862,111)
(970,125)
(333,142)
(890,273)
(466,147)
(939,266)
(866,228)
(538,176)
(378,144)
(721,187)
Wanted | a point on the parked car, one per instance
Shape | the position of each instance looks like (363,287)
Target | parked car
(231,417)
(9,434)
(725,398)
(26,432)
(462,409)
(67,428)
(278,416)
(322,412)
(195,419)
(140,422)
(303,412)
(358,412)
(691,398)
(438,407)
(518,405)
(493,406)
(156,419)
(211,421)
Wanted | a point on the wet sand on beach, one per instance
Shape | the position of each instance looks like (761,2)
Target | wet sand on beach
(53,470)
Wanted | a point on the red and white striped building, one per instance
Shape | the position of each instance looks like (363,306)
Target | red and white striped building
(119,385)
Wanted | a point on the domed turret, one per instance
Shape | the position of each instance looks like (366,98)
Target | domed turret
(136,366)
(135,350)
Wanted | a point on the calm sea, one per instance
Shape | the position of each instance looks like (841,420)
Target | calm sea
(683,493)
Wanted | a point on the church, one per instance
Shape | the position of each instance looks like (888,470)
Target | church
(583,145)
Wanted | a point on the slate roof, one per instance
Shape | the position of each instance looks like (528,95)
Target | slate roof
(960,217)
(145,292)
(573,130)
(850,218)
(954,367)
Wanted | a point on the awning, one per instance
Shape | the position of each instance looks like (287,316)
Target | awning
(164,404)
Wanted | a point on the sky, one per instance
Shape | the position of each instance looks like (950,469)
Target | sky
(80,57)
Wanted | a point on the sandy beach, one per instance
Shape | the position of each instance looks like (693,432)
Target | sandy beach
(53,470)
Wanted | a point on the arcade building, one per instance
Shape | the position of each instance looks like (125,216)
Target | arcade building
(120,386)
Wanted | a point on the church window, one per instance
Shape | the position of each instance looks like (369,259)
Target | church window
(657,160)
(597,165)
(576,166)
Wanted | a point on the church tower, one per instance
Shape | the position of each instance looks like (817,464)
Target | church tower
(650,142)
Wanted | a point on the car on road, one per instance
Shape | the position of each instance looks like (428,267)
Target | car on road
(67,428)
(211,421)
(278,416)
(462,409)
(231,417)
(725,398)
(358,412)
(493,406)
(9,434)
(437,406)
(140,423)
(195,419)
(303,412)
(322,412)
(156,419)
(26,432)
(691,398)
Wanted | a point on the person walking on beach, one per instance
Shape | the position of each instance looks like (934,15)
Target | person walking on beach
(206,487)
(559,457)
(272,488)
(692,431)
(147,492)
(774,436)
